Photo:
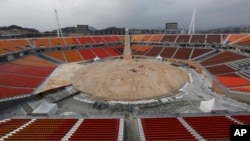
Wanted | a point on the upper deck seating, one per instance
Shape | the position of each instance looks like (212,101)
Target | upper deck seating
(40,42)
(220,69)
(244,42)
(100,52)
(56,55)
(72,55)
(232,80)
(198,39)
(168,52)
(87,54)
(183,38)
(222,57)
(98,39)
(156,38)
(213,39)
(154,51)
(169,38)
(57,42)
(136,38)
(200,51)
(146,38)
(85,40)
(183,53)
(140,50)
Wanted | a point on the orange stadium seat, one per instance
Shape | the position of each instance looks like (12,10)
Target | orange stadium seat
(39,60)
(17,80)
(168,52)
(52,129)
(224,37)
(169,128)
(200,51)
(140,50)
(97,129)
(183,53)
(72,56)
(214,39)
(3,51)
(69,41)
(117,38)
(57,42)
(26,70)
(87,54)
(40,42)
(111,51)
(86,40)
(183,38)
(242,118)
(119,49)
(156,38)
(211,127)
(100,52)
(222,57)
(244,42)
(154,51)
(6,46)
(198,39)
(33,61)
(244,89)
(13,91)
(56,55)
(232,80)
(20,42)
(146,38)
(98,39)
(76,41)
(136,38)
(168,38)
(220,69)
(235,37)
(21,76)
(10,125)
(108,39)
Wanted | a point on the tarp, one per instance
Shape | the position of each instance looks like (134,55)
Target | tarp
(97,59)
(159,57)
(45,108)
(212,106)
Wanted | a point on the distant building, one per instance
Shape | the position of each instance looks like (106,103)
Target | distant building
(171,28)
(82,29)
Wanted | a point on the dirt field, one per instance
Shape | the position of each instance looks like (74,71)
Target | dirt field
(129,79)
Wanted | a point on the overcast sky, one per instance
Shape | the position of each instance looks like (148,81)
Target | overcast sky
(40,14)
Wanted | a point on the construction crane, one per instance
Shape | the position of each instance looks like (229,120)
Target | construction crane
(59,31)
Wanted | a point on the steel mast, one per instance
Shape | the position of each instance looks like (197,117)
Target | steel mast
(59,30)
(192,24)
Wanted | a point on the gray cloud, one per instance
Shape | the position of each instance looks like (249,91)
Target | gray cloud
(124,13)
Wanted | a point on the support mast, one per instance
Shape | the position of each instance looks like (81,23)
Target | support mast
(59,31)
(192,24)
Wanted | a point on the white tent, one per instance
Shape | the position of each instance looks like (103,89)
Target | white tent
(211,106)
(159,57)
(45,108)
(97,59)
